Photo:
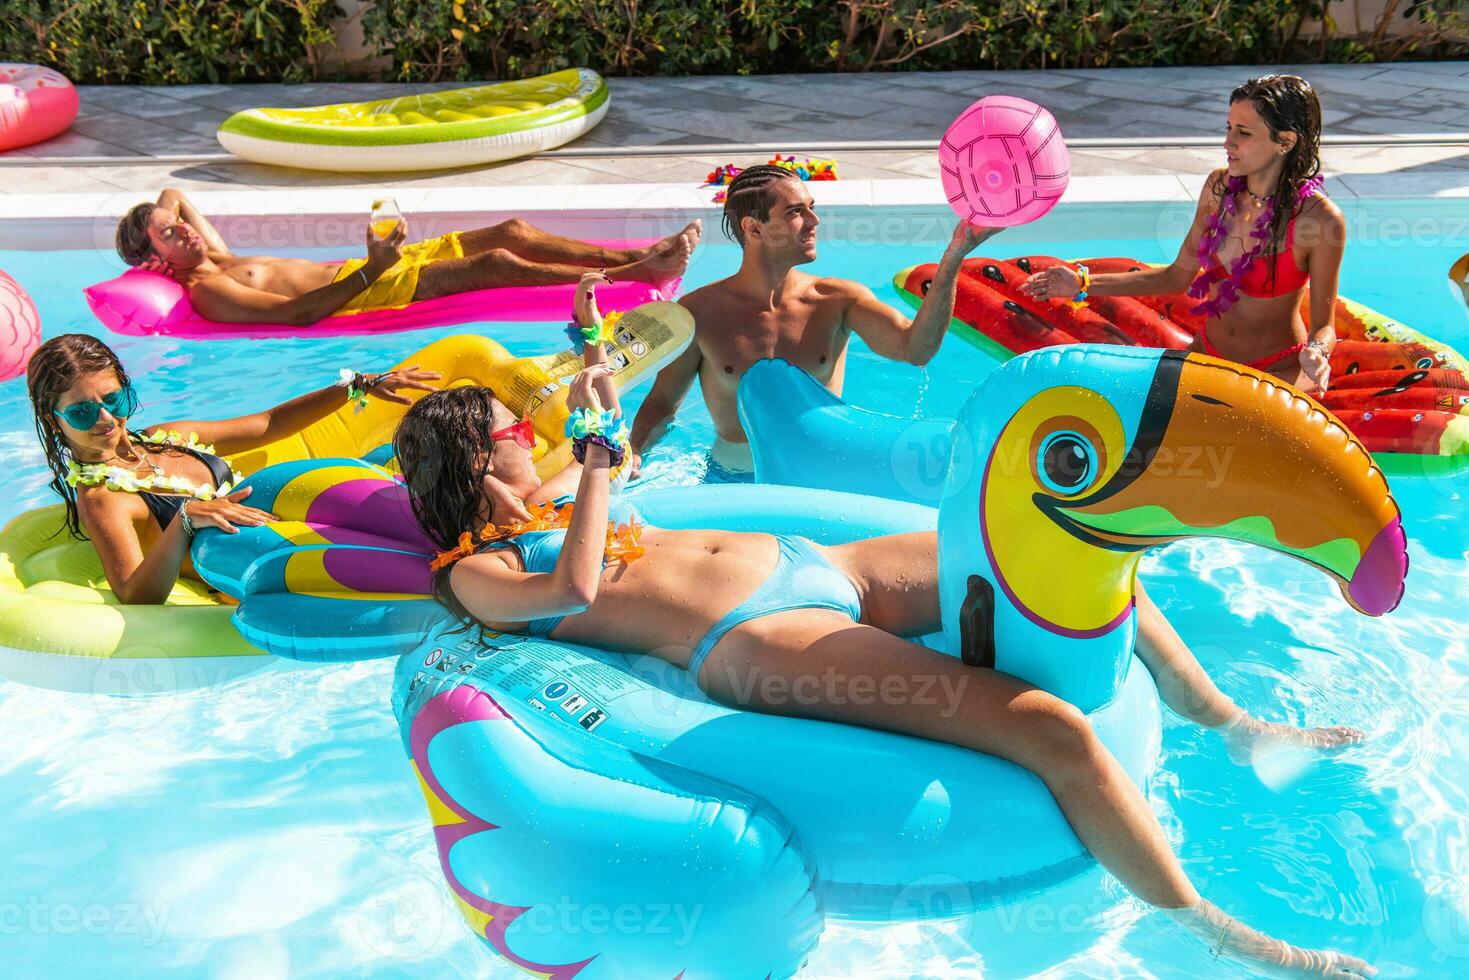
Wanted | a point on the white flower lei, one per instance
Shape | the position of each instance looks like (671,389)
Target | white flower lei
(128,481)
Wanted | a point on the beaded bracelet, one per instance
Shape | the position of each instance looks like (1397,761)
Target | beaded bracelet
(184,520)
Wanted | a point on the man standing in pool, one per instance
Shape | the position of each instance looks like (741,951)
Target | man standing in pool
(769,308)
(173,238)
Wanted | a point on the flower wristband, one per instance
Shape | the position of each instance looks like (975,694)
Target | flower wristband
(357,385)
(616,451)
(605,429)
(600,333)
(1079,300)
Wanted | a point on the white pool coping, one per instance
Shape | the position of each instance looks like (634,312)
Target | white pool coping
(79,220)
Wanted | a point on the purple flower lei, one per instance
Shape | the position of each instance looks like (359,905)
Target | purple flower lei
(1215,232)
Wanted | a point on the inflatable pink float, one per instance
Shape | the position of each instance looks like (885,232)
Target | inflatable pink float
(141,302)
(36,103)
(20,328)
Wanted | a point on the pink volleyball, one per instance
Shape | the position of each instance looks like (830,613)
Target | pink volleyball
(20,328)
(1004,162)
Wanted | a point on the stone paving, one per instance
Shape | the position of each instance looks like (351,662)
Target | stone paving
(122,132)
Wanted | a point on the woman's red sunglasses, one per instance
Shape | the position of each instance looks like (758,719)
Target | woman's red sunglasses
(522,432)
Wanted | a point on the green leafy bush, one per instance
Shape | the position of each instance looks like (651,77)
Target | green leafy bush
(441,39)
(176,41)
(170,41)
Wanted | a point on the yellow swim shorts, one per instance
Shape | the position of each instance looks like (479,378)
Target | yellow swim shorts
(395,287)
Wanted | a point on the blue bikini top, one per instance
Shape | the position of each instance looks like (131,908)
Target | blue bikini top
(540,550)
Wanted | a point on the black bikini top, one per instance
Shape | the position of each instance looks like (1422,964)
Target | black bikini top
(165,507)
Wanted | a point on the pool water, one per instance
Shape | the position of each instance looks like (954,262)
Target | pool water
(271,827)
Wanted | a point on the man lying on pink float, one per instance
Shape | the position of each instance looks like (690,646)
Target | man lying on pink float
(186,281)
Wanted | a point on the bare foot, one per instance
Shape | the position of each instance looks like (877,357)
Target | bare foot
(1269,957)
(670,246)
(667,262)
(1247,737)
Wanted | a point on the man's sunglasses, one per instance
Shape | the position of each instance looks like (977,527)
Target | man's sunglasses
(522,432)
(121,404)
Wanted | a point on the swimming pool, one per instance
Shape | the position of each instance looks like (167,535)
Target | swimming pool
(271,827)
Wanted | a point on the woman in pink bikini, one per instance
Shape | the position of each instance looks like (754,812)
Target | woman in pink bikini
(1262,231)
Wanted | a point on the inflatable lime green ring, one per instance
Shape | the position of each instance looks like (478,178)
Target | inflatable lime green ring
(453,128)
(62,628)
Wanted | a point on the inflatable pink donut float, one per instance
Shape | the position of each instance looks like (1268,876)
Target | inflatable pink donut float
(20,328)
(36,103)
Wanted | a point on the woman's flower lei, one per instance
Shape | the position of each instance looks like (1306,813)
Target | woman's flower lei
(124,480)
(1215,232)
(173,437)
(621,545)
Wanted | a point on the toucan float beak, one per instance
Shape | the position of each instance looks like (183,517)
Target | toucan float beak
(1225,451)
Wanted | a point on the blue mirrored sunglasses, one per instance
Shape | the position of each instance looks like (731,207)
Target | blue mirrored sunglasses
(81,416)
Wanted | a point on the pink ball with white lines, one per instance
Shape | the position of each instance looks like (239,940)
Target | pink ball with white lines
(20,328)
(1003,162)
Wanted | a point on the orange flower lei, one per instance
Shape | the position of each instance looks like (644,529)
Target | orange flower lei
(622,539)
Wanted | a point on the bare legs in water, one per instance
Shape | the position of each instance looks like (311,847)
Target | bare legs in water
(1000,715)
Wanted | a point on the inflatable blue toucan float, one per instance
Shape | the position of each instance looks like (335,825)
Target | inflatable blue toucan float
(565,783)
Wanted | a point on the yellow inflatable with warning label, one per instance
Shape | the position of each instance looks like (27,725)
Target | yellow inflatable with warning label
(61,626)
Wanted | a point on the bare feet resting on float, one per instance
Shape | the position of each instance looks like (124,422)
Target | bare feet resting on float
(173,238)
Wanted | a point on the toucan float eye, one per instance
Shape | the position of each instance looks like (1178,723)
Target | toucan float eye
(1066,462)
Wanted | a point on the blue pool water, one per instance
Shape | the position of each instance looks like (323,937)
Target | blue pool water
(272,828)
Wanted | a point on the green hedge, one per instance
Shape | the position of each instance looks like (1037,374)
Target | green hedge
(169,41)
(176,41)
(439,39)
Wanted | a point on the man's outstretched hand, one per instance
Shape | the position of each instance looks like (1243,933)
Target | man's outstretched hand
(967,238)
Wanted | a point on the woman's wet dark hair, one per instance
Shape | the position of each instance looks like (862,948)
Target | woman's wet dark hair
(749,195)
(52,369)
(132,241)
(1287,104)
(443,449)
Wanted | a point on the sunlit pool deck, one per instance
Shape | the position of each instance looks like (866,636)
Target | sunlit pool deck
(1406,120)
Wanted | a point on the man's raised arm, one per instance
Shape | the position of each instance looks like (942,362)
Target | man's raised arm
(175,201)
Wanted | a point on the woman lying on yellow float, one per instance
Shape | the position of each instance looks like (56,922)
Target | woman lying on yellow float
(139,494)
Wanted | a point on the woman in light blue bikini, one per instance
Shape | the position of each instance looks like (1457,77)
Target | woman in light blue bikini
(740,609)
